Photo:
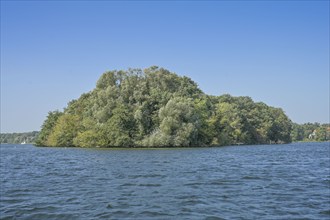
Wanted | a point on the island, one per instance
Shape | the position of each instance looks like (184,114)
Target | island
(157,108)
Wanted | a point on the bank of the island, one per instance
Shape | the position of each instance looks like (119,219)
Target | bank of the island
(157,108)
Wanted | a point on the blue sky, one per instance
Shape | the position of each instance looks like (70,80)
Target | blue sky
(275,51)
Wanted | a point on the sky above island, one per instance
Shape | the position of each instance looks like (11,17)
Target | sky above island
(276,52)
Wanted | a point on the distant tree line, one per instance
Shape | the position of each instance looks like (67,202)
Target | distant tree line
(310,132)
(17,138)
(157,108)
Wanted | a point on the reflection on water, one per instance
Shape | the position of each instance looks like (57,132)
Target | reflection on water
(244,182)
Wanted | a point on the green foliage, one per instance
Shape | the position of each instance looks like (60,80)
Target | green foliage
(310,132)
(17,138)
(179,124)
(87,138)
(48,127)
(64,132)
(119,130)
(157,108)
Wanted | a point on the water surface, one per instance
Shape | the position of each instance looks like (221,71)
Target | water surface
(241,182)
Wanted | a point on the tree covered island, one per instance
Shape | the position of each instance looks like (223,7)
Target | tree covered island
(157,108)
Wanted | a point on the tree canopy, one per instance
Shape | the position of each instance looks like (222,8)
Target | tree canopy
(157,108)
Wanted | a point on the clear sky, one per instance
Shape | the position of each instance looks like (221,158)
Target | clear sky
(275,51)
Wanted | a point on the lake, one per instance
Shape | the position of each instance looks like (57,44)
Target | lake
(239,182)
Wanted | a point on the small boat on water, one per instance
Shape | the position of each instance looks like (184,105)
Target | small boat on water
(23,142)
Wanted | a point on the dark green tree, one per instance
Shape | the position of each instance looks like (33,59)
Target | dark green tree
(48,127)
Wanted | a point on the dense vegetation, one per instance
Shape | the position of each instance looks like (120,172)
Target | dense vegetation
(157,108)
(17,138)
(310,132)
(300,132)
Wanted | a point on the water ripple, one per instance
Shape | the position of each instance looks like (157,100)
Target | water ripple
(245,182)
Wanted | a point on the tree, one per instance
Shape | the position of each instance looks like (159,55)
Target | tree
(179,124)
(89,138)
(64,132)
(280,129)
(120,129)
(229,123)
(47,127)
